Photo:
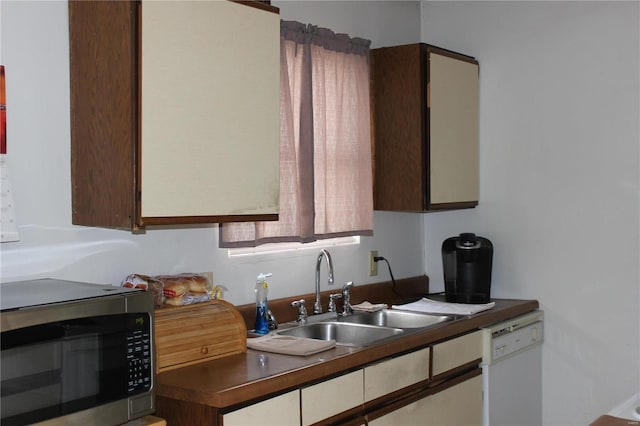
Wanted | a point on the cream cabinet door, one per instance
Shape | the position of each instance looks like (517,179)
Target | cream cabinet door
(282,410)
(459,405)
(396,373)
(456,352)
(331,397)
(210,111)
(453,128)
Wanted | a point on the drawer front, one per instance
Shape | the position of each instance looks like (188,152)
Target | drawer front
(331,397)
(396,373)
(456,352)
(282,410)
(458,405)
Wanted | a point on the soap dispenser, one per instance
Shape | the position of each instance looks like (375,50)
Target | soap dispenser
(262,323)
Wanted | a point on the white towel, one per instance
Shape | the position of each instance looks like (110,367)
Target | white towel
(367,306)
(289,345)
(435,307)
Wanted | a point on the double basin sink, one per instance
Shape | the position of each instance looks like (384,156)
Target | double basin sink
(367,328)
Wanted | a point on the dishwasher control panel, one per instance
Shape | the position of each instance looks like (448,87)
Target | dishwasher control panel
(516,341)
(511,337)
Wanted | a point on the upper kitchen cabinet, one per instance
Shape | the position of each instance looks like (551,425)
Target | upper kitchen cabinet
(175,113)
(425,114)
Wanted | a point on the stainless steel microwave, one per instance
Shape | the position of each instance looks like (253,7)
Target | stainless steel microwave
(75,353)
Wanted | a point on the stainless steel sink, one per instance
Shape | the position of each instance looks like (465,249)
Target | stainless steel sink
(396,319)
(344,333)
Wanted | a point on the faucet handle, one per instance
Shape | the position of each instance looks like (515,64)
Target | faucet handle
(332,301)
(346,298)
(302,311)
(271,320)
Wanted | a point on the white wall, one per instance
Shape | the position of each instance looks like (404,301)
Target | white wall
(36,56)
(559,184)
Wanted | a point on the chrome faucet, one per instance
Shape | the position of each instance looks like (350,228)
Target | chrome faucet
(272,322)
(332,302)
(317,305)
(346,298)
(302,311)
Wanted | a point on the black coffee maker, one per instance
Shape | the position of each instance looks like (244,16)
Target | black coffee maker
(466,262)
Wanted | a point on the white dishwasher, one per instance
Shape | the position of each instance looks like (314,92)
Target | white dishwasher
(512,371)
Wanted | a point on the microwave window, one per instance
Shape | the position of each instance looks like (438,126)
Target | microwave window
(60,368)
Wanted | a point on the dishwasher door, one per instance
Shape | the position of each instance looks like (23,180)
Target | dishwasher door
(512,372)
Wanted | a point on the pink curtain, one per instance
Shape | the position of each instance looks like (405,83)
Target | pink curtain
(325,141)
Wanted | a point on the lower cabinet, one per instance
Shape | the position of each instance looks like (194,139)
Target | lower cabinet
(437,385)
(326,399)
(451,396)
(458,405)
(396,373)
(282,410)
(457,352)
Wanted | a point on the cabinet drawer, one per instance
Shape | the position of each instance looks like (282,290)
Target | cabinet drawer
(456,352)
(458,405)
(282,410)
(396,373)
(147,421)
(331,397)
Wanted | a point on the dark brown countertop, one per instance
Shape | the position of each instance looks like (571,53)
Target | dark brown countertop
(241,378)
(607,420)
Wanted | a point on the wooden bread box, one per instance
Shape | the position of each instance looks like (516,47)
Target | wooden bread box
(191,334)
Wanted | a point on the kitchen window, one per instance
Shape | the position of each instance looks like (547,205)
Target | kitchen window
(325,141)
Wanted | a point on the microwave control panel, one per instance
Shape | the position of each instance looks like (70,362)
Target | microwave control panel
(139,356)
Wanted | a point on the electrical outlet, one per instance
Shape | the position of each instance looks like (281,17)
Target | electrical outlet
(373,265)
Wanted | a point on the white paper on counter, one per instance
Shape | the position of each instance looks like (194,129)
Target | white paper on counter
(435,307)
